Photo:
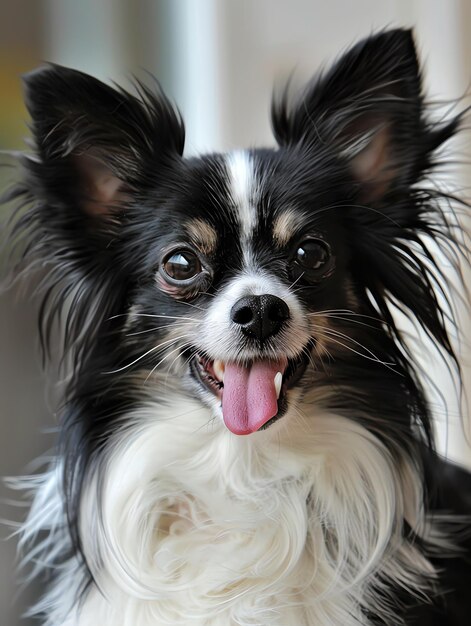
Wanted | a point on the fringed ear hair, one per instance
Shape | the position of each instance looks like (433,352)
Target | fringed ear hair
(368,111)
(97,150)
(97,143)
(367,120)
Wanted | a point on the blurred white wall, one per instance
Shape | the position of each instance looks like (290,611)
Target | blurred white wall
(219,60)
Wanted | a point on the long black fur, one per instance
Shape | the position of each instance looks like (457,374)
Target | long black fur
(100,265)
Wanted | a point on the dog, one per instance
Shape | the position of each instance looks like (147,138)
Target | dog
(245,438)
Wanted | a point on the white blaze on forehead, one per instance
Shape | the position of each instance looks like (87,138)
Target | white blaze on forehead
(241,185)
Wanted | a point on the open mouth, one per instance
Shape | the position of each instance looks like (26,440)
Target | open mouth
(253,394)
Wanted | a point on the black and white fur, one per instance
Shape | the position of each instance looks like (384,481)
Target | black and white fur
(335,512)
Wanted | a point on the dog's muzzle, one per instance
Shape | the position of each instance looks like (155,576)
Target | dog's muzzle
(253,392)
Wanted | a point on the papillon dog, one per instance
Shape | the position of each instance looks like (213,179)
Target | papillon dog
(245,438)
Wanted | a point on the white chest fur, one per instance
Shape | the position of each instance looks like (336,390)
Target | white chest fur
(187,524)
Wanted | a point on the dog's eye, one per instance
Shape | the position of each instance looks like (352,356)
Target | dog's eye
(312,259)
(181,265)
(312,254)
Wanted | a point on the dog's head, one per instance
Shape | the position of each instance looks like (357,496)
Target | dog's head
(249,278)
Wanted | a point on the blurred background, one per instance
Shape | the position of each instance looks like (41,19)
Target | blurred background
(218,60)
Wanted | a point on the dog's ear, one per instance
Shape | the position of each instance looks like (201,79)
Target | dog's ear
(98,150)
(366,120)
(368,110)
(96,143)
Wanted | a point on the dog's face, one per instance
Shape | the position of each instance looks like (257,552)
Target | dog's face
(239,284)
(250,277)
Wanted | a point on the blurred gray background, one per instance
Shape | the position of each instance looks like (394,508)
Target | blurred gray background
(219,60)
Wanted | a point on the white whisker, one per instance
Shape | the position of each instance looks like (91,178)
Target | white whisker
(158,328)
(153,349)
(169,317)
(371,356)
(180,347)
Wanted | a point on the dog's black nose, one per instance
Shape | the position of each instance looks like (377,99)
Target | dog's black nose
(260,316)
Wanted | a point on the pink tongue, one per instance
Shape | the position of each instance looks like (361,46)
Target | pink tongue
(249,396)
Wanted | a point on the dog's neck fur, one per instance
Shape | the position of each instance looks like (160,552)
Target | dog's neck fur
(185,523)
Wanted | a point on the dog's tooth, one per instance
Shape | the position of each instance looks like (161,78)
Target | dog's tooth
(278,380)
(218,368)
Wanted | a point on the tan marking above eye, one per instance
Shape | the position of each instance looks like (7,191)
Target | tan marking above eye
(286,224)
(202,235)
